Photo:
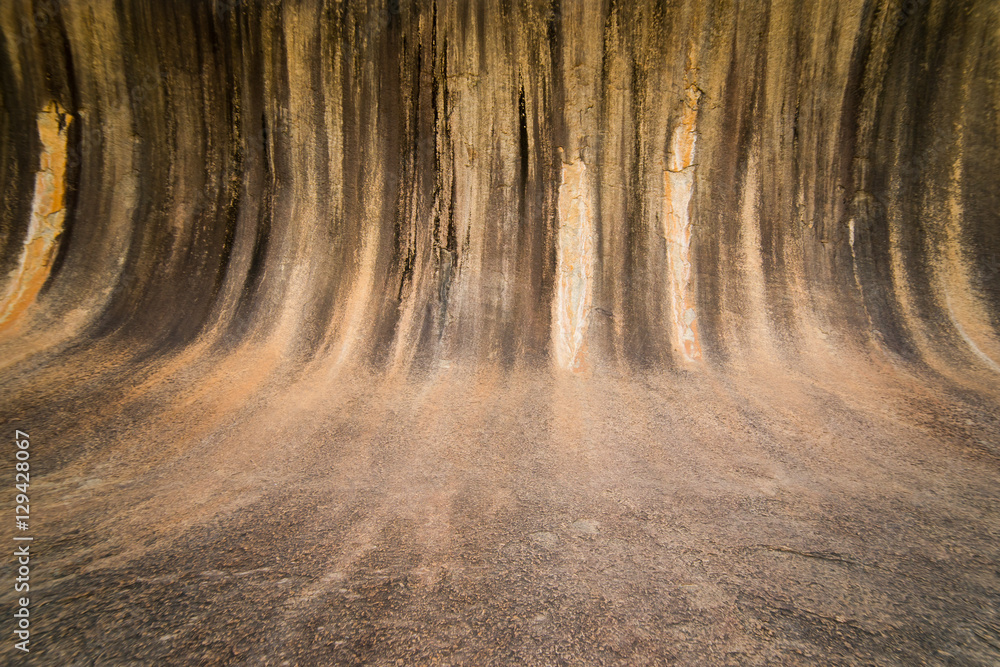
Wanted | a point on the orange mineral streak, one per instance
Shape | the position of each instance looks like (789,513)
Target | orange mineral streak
(47,215)
(685,135)
(678,184)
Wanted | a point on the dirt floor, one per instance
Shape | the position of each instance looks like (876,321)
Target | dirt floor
(507,518)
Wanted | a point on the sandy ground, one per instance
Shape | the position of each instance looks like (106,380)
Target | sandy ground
(502,518)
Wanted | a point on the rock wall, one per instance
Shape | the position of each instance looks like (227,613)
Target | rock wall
(588,185)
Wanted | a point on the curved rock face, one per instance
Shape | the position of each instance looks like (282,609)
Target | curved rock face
(619,224)
(600,186)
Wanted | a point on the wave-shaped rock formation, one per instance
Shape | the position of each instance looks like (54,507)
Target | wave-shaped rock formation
(583,332)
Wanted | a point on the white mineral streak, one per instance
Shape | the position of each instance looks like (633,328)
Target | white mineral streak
(955,320)
(575,267)
(47,214)
(678,184)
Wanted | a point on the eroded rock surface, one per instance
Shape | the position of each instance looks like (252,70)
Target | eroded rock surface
(566,332)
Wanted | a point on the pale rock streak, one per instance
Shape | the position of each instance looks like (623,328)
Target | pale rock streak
(575,268)
(678,184)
